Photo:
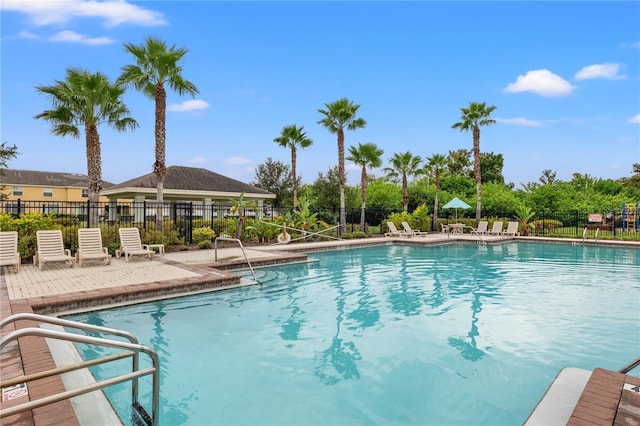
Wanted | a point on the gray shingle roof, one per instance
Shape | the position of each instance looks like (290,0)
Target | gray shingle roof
(47,179)
(191,179)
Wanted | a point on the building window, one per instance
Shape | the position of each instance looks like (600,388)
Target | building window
(50,208)
(13,208)
(85,193)
(17,190)
(47,192)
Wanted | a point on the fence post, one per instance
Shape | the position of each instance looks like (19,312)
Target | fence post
(19,209)
(89,215)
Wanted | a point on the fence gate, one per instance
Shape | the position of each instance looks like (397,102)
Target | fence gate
(183,214)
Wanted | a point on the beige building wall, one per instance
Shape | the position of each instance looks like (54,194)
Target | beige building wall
(50,193)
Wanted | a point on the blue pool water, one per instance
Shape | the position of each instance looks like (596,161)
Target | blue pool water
(388,335)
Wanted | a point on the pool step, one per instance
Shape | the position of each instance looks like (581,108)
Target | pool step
(139,415)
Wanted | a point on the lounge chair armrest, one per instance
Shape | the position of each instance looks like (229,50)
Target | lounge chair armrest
(105,250)
(67,252)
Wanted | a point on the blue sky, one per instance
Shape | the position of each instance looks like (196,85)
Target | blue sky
(564,76)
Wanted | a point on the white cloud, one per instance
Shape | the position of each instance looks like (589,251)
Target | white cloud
(635,119)
(606,71)
(541,82)
(198,160)
(520,122)
(190,105)
(113,12)
(28,35)
(238,161)
(73,37)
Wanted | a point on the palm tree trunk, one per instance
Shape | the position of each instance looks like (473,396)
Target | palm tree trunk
(405,193)
(476,169)
(293,176)
(363,187)
(341,180)
(94,172)
(159,167)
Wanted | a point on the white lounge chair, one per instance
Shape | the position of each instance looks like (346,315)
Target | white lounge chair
(51,248)
(131,245)
(90,246)
(512,229)
(496,229)
(410,231)
(9,249)
(482,228)
(394,232)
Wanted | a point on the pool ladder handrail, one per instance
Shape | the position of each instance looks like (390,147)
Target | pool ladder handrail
(633,364)
(133,349)
(215,247)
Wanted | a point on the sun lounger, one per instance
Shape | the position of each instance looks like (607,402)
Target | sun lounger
(410,231)
(496,229)
(90,246)
(512,229)
(131,245)
(482,228)
(51,248)
(394,232)
(9,255)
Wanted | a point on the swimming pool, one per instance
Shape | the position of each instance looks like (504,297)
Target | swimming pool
(452,334)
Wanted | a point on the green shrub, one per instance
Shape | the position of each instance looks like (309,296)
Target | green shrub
(354,235)
(203,234)
(204,244)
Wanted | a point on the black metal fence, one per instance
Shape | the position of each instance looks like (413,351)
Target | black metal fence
(181,218)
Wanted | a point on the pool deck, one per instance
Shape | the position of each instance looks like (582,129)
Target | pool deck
(605,397)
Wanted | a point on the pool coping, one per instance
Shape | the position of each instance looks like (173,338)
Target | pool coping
(31,354)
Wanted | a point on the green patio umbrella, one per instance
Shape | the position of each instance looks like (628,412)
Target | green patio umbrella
(456,203)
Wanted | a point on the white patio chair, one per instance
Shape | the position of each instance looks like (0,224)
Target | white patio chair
(444,228)
(9,249)
(90,246)
(410,231)
(482,228)
(131,245)
(512,229)
(394,232)
(496,229)
(51,248)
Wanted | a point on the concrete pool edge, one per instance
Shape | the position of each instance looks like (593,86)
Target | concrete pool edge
(557,404)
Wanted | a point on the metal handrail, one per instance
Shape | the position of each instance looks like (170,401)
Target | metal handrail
(633,364)
(215,246)
(305,233)
(60,335)
(85,327)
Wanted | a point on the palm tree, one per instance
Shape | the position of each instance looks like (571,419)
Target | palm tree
(292,137)
(365,155)
(157,65)
(404,165)
(337,116)
(436,163)
(85,99)
(473,117)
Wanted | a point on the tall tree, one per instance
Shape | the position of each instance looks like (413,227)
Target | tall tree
(339,115)
(157,65)
(293,137)
(275,176)
(437,163)
(85,99)
(476,115)
(548,177)
(365,155)
(402,166)
(7,152)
